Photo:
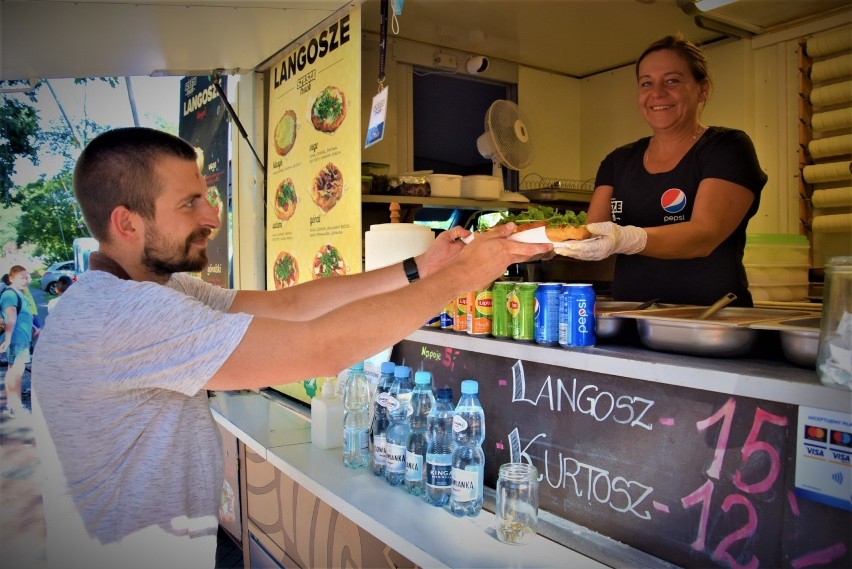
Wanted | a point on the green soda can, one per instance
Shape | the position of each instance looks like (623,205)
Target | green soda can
(501,318)
(522,307)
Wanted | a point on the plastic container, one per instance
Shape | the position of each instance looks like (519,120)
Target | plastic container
(356,419)
(327,418)
(777,266)
(398,429)
(481,187)
(834,358)
(379,426)
(776,249)
(422,403)
(788,292)
(439,449)
(445,185)
(468,456)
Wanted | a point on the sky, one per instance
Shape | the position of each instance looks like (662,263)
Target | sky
(156,97)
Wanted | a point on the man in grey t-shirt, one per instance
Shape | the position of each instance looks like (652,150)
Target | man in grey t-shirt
(121,370)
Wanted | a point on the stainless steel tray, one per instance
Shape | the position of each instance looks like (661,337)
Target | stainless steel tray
(725,334)
(799,338)
(607,312)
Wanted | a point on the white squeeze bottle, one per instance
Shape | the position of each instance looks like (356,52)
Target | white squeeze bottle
(327,417)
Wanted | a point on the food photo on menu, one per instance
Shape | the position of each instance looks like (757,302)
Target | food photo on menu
(285,200)
(329,110)
(285,133)
(285,271)
(328,187)
(328,262)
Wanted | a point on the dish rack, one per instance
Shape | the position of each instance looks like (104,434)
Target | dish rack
(540,189)
(539,182)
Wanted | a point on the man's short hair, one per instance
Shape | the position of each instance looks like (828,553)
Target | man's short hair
(117,169)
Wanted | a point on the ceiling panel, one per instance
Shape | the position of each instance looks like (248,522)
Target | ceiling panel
(76,38)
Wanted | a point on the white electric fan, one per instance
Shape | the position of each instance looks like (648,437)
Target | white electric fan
(506,140)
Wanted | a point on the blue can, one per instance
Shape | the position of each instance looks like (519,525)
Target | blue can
(547,313)
(577,316)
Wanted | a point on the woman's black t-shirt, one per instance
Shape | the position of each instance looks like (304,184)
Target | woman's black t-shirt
(650,200)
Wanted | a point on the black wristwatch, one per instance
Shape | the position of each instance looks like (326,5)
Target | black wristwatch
(410,268)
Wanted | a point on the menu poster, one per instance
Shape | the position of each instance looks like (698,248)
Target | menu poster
(204,124)
(313,192)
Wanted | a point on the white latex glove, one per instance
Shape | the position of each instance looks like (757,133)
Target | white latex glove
(611,239)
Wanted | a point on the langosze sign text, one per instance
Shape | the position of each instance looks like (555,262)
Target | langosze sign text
(691,476)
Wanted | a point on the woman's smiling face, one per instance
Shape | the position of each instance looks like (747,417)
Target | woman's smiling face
(668,94)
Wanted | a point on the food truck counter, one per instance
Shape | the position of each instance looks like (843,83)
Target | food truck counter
(645,458)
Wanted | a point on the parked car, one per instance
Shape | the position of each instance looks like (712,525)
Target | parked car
(52,274)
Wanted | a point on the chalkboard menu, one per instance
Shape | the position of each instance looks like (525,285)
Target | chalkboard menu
(697,478)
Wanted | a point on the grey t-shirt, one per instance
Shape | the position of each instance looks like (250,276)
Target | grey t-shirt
(119,372)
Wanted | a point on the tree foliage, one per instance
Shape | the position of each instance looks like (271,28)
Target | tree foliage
(18,131)
(51,218)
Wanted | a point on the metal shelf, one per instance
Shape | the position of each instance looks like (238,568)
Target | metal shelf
(461,203)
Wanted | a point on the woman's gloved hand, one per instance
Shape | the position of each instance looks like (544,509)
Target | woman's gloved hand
(611,239)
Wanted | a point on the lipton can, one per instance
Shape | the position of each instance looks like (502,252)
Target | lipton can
(501,318)
(479,312)
(448,315)
(577,316)
(547,313)
(463,302)
(522,305)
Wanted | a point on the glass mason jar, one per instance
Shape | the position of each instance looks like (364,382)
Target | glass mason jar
(517,503)
(834,359)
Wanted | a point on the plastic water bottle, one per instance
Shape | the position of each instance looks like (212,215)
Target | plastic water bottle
(422,403)
(379,427)
(356,418)
(397,433)
(468,458)
(439,449)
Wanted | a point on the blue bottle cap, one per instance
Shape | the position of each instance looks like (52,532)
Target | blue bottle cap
(470,387)
(388,367)
(422,378)
(358,367)
(402,371)
(444,394)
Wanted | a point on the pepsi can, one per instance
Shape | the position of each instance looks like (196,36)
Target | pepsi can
(547,316)
(577,316)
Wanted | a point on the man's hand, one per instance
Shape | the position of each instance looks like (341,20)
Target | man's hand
(611,239)
(446,246)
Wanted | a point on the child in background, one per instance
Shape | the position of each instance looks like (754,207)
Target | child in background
(62,285)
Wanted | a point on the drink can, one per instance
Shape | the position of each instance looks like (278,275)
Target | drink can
(463,301)
(547,313)
(479,312)
(448,315)
(577,316)
(501,318)
(522,305)
(434,322)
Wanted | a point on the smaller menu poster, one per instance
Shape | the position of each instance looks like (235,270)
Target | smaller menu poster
(313,192)
(204,124)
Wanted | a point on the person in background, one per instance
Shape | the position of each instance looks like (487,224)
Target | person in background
(62,284)
(123,399)
(675,205)
(4,284)
(18,317)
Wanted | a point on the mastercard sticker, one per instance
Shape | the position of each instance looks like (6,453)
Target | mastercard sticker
(824,457)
